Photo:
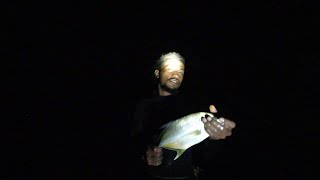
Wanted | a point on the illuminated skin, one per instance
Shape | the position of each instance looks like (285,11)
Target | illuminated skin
(170,78)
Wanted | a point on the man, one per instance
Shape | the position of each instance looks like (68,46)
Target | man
(150,114)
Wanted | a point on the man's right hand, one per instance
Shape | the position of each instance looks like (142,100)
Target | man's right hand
(154,156)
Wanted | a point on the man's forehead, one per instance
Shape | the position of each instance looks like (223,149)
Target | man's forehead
(173,64)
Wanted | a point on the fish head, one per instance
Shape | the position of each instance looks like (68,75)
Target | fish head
(185,132)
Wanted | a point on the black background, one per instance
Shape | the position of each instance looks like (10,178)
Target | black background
(77,68)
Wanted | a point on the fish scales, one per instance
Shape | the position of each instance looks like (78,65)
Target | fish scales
(184,132)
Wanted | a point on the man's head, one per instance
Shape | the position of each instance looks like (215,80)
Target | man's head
(169,70)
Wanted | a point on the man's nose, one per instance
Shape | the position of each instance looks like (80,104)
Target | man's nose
(175,74)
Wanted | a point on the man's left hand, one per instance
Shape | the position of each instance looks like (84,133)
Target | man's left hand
(217,128)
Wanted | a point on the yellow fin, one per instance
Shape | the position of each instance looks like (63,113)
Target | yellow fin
(179,153)
(171,146)
(196,132)
(175,145)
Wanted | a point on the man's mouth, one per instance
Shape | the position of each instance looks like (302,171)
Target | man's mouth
(173,80)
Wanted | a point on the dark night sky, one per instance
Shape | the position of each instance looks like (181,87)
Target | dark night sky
(77,69)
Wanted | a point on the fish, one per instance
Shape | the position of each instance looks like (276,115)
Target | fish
(181,134)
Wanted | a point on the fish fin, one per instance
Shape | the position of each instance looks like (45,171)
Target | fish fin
(163,128)
(193,133)
(174,145)
(179,153)
(166,125)
(196,132)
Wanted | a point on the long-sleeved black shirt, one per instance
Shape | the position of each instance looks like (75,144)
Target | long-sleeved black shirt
(150,115)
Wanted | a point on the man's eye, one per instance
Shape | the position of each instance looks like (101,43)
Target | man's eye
(171,71)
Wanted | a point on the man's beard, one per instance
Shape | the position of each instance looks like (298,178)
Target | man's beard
(168,89)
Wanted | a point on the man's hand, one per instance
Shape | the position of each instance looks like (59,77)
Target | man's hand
(154,156)
(217,128)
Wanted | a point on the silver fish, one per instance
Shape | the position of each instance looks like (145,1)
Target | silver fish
(181,134)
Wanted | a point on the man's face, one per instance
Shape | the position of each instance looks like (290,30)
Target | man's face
(171,74)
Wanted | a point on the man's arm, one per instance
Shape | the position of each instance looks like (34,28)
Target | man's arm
(149,155)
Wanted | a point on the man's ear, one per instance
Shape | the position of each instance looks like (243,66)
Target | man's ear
(156,73)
